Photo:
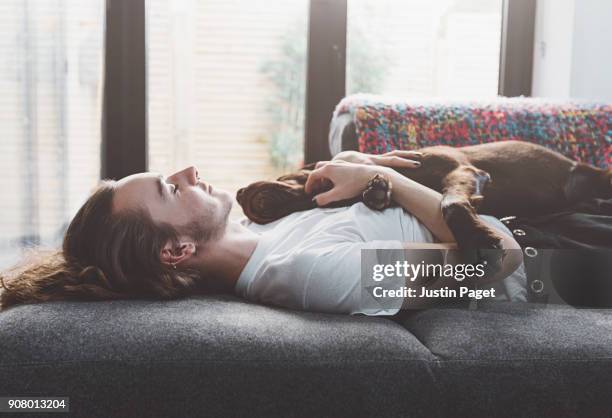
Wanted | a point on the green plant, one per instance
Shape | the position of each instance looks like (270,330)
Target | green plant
(287,74)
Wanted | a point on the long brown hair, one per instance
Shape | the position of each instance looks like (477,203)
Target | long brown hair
(104,255)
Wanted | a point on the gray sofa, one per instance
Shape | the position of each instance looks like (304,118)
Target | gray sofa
(222,356)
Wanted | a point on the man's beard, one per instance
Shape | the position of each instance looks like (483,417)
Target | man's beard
(208,226)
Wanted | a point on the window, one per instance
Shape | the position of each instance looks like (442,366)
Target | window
(51,72)
(225,85)
(413,48)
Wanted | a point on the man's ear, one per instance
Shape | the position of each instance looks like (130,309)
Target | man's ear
(174,253)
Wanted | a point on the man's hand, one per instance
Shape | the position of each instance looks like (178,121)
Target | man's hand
(348,180)
(393,159)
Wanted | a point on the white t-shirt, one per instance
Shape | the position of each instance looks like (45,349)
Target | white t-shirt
(311,260)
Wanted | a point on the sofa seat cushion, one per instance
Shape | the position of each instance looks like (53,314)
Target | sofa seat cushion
(214,355)
(520,359)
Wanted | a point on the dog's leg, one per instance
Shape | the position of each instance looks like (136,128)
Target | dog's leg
(463,187)
(266,201)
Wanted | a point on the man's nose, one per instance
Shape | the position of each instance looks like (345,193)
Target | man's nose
(189,174)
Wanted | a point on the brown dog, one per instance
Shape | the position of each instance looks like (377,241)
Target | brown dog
(500,179)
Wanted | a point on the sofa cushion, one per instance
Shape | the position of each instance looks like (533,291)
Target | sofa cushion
(212,355)
(520,359)
(223,356)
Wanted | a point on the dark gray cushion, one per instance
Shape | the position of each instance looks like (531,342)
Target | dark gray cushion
(514,359)
(222,356)
(212,356)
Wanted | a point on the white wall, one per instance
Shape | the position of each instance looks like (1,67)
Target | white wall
(592,52)
(573,49)
(552,63)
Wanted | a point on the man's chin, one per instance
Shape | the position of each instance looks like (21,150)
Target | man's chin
(220,193)
(227,199)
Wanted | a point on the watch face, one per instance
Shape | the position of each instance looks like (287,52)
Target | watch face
(583,278)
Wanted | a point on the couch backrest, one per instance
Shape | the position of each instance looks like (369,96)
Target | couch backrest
(580,130)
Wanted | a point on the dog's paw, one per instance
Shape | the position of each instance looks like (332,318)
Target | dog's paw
(377,195)
(478,243)
(483,247)
(483,179)
(476,201)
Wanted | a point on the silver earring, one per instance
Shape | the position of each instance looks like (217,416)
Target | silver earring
(174,266)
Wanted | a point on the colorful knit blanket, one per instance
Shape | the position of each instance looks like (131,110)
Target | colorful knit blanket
(581,131)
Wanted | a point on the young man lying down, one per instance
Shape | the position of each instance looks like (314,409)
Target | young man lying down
(150,236)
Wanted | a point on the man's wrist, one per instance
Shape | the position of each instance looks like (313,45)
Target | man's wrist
(393,176)
(383,170)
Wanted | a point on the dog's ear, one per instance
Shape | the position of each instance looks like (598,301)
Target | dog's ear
(585,182)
